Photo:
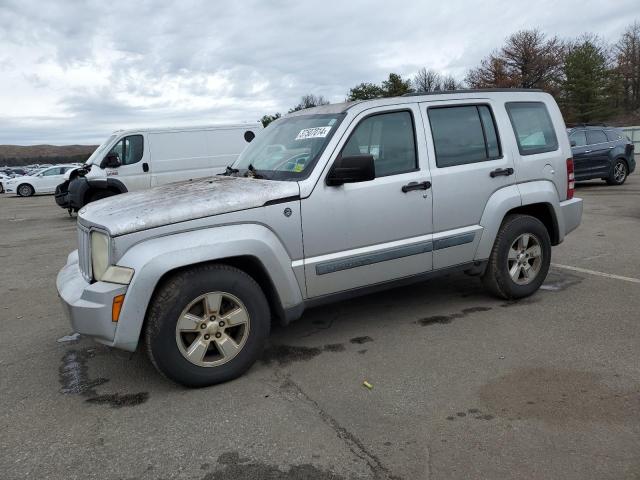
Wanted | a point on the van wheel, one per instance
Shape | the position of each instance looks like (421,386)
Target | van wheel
(619,173)
(520,258)
(207,325)
(25,190)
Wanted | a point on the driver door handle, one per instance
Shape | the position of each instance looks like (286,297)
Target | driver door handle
(145,167)
(416,186)
(504,172)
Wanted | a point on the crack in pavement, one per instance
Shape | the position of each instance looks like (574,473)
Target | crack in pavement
(354,444)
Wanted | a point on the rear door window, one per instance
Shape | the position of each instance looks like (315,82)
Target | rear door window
(579,137)
(463,134)
(533,127)
(596,136)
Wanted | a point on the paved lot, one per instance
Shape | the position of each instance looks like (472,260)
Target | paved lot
(464,385)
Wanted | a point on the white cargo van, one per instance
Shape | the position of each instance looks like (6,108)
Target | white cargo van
(131,160)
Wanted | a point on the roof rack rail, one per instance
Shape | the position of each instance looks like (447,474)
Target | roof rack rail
(472,90)
(578,125)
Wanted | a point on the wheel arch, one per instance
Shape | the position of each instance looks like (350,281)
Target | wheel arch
(26,183)
(543,212)
(251,248)
(539,198)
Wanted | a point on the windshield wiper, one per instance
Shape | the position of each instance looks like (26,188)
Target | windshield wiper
(253,173)
(229,171)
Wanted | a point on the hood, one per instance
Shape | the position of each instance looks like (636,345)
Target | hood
(179,202)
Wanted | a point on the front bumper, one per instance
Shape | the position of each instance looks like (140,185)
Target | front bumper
(88,304)
(571,211)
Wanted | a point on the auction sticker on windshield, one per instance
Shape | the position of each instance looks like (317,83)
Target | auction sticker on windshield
(315,132)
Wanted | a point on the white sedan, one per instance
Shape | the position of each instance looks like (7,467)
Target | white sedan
(3,179)
(42,181)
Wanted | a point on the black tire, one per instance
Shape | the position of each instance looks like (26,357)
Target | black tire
(615,178)
(25,190)
(496,277)
(99,195)
(1,188)
(175,294)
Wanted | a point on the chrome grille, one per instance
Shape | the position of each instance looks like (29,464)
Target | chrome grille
(84,252)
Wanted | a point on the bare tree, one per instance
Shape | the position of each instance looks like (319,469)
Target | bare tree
(492,73)
(535,60)
(627,52)
(427,81)
(309,101)
(449,82)
(527,60)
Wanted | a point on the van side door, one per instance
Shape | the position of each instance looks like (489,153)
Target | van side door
(468,164)
(133,171)
(370,232)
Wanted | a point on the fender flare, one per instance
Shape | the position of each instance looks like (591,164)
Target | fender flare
(514,196)
(107,183)
(153,259)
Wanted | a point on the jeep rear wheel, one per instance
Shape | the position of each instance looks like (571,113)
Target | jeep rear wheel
(207,325)
(520,258)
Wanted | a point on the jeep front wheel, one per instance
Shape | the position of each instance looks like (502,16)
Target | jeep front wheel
(207,325)
(520,258)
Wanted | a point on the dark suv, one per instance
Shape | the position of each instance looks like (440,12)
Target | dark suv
(601,152)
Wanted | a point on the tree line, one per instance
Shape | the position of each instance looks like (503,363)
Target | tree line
(592,80)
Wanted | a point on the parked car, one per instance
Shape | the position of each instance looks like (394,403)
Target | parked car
(601,152)
(326,203)
(131,160)
(3,178)
(42,181)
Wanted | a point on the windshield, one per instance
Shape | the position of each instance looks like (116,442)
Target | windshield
(289,147)
(97,151)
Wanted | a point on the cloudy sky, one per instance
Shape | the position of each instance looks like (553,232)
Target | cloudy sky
(71,72)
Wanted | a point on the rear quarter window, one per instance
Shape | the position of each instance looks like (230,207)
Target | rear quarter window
(533,127)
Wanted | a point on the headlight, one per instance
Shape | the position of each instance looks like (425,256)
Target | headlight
(102,271)
(99,254)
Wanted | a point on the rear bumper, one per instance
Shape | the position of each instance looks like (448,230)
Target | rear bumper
(571,211)
(88,305)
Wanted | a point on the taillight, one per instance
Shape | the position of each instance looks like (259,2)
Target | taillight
(571,179)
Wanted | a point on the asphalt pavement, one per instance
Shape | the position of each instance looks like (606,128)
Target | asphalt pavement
(463,385)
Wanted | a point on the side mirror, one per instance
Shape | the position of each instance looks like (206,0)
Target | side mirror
(112,160)
(356,168)
(573,143)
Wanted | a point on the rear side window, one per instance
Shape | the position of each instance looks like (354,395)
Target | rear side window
(613,136)
(464,134)
(596,136)
(579,137)
(533,127)
(389,138)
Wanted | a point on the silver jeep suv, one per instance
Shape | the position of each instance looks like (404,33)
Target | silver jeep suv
(325,203)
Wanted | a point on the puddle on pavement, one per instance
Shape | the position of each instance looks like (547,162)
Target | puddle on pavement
(361,340)
(562,395)
(444,319)
(557,281)
(286,354)
(231,465)
(73,375)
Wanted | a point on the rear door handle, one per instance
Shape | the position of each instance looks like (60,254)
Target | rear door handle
(501,172)
(145,167)
(416,186)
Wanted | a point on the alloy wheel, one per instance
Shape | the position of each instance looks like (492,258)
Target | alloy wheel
(525,259)
(212,329)
(620,172)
